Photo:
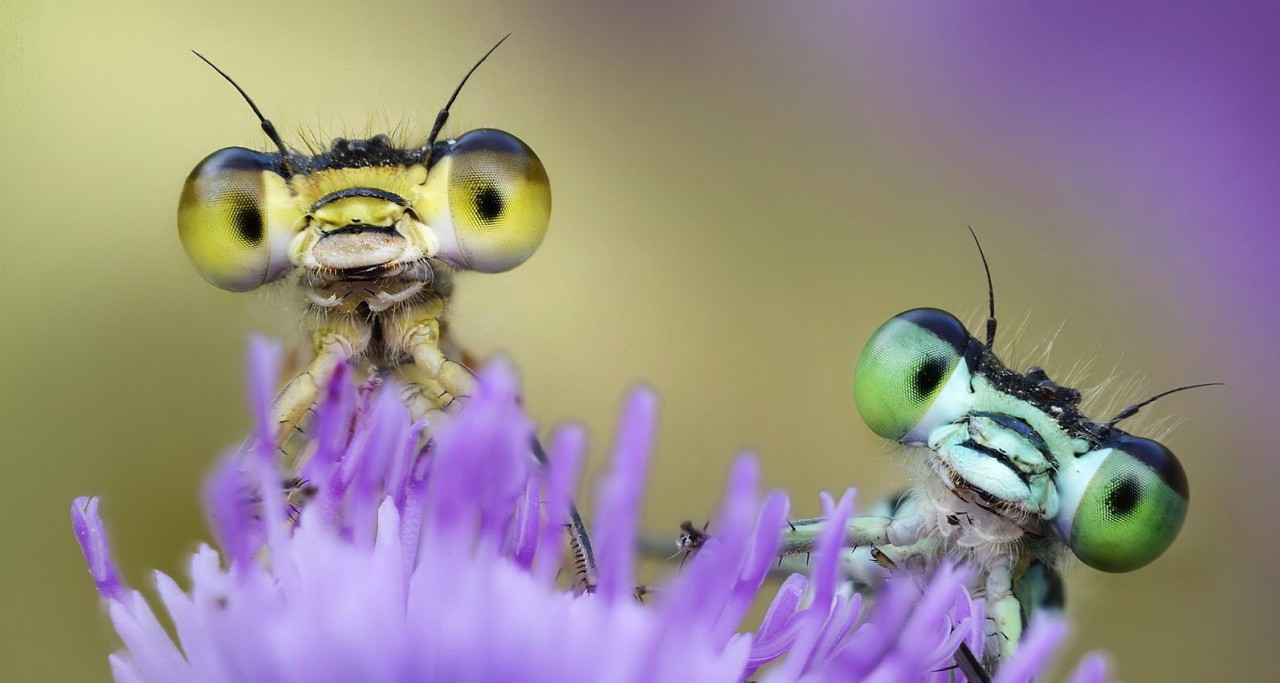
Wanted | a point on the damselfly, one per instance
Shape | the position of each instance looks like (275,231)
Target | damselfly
(368,235)
(1013,475)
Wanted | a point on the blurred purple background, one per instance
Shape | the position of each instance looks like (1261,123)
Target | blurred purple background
(1168,114)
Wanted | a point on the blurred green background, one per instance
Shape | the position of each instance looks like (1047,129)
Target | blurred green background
(743,193)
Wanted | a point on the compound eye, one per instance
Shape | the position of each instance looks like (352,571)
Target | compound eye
(1122,504)
(498,202)
(912,376)
(223,220)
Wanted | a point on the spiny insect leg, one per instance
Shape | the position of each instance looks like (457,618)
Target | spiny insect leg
(418,331)
(1003,609)
(455,378)
(417,328)
(424,397)
(296,399)
(965,660)
(800,536)
(969,665)
(584,555)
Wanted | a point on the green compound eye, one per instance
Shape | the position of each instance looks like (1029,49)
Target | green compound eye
(1122,504)
(902,384)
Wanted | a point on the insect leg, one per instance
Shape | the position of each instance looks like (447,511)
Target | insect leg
(417,331)
(584,555)
(1004,609)
(425,395)
(296,399)
(965,660)
(800,536)
(969,665)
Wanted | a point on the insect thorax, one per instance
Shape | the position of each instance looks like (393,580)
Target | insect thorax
(960,524)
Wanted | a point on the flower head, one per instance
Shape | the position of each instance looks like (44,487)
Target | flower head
(407,563)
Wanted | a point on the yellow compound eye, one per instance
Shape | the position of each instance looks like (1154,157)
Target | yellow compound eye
(496,202)
(224,224)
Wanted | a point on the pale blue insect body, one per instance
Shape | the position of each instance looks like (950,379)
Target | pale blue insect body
(1019,444)
(1015,475)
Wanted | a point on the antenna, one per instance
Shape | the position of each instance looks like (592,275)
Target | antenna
(991,294)
(1133,409)
(267,127)
(443,116)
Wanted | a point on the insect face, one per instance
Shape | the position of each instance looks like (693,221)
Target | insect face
(365,210)
(1016,445)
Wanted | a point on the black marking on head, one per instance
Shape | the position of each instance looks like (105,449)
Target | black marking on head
(377,143)
(1017,424)
(1123,496)
(1047,389)
(999,457)
(489,204)
(360,230)
(1059,402)
(248,224)
(374,152)
(359,192)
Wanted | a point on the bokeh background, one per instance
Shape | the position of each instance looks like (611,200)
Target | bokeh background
(743,192)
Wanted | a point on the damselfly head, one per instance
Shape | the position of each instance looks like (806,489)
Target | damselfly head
(364,209)
(1017,443)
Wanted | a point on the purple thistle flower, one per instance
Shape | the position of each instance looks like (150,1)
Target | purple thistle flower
(439,564)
